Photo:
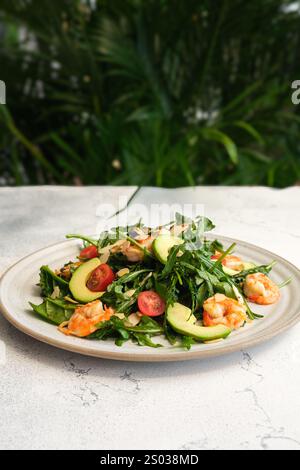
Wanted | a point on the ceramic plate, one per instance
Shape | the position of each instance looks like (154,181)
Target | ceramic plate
(18,287)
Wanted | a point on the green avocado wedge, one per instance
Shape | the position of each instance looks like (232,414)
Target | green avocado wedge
(79,279)
(231,272)
(183,321)
(162,245)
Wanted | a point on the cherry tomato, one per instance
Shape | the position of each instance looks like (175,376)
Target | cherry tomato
(100,278)
(150,303)
(207,320)
(89,252)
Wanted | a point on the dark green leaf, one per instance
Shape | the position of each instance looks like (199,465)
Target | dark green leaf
(48,280)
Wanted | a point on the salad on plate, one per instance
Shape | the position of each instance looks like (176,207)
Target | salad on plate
(138,283)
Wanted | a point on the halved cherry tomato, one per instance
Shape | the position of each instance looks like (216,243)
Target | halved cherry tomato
(150,303)
(100,278)
(89,252)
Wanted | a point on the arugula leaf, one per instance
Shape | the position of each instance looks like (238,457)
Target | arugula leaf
(48,280)
(204,224)
(116,294)
(54,311)
(218,263)
(202,294)
(145,340)
(88,240)
(213,246)
(187,342)
(62,303)
(147,325)
(130,277)
(171,290)
(117,233)
(181,219)
(170,334)
(193,293)
(265,269)
(195,232)
(120,341)
(118,329)
(171,260)
(104,332)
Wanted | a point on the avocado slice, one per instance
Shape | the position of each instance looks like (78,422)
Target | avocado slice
(162,245)
(231,272)
(248,265)
(183,321)
(79,279)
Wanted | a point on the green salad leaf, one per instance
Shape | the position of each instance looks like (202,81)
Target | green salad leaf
(265,269)
(54,310)
(122,331)
(49,280)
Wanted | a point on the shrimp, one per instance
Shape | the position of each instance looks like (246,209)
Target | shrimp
(260,289)
(85,319)
(230,261)
(133,253)
(220,309)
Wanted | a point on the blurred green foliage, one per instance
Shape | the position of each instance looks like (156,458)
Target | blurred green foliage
(157,92)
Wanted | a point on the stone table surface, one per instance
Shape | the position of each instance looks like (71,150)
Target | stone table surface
(54,399)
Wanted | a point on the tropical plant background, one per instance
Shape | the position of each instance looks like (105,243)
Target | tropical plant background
(157,92)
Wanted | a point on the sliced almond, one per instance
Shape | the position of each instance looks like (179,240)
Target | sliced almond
(122,272)
(129,293)
(68,299)
(105,252)
(115,247)
(104,257)
(140,234)
(119,315)
(133,319)
(55,293)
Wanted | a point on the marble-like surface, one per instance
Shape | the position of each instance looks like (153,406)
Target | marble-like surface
(53,399)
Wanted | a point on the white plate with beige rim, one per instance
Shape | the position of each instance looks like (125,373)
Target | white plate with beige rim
(18,287)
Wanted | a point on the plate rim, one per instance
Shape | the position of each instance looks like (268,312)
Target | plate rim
(120,355)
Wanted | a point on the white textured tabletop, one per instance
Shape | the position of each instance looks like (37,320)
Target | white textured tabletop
(53,399)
